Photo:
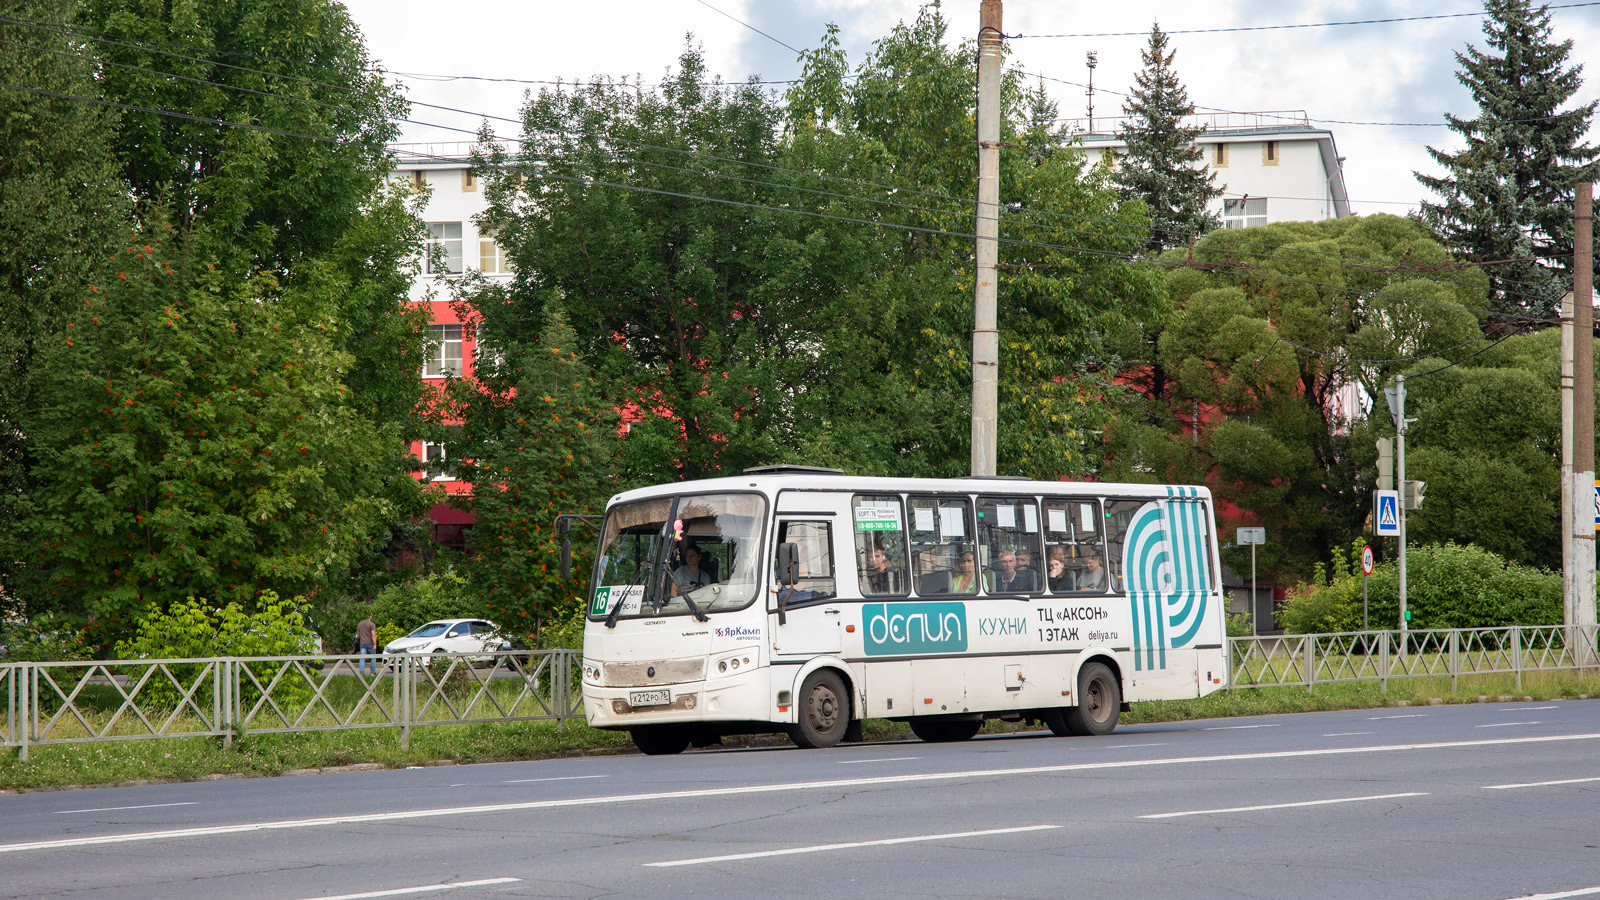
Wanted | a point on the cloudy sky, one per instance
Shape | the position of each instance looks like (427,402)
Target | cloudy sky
(1356,80)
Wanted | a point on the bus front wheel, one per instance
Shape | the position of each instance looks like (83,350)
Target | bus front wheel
(660,740)
(824,711)
(1099,702)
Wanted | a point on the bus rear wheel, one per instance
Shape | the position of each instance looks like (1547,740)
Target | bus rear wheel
(939,731)
(660,740)
(824,711)
(1099,702)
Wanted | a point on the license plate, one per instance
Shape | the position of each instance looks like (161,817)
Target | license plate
(649,698)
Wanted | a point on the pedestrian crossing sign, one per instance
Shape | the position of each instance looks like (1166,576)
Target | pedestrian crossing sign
(1386,513)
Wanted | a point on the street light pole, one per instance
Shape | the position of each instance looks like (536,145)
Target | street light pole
(985,327)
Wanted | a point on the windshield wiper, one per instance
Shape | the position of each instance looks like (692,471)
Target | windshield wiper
(616,608)
(683,591)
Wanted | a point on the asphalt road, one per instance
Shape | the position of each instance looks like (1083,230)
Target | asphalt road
(1480,802)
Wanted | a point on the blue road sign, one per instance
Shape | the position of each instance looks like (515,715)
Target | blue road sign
(1597,506)
(1386,513)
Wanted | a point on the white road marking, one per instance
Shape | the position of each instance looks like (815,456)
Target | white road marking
(562,778)
(1580,892)
(424,889)
(1503,787)
(851,762)
(1505,724)
(1240,727)
(1132,746)
(821,848)
(834,784)
(1238,809)
(62,812)
(1346,733)
(1528,708)
(1406,716)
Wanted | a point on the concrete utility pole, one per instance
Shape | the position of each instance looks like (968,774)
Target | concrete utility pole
(1582,563)
(1400,481)
(1568,551)
(985,330)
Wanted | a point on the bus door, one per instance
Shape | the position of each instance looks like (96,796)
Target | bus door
(1194,609)
(806,617)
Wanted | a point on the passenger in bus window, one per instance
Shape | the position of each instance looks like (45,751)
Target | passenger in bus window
(689,575)
(1007,578)
(883,579)
(966,579)
(1025,569)
(1060,576)
(1093,576)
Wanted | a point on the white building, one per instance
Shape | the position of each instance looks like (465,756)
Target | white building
(1271,166)
(454,201)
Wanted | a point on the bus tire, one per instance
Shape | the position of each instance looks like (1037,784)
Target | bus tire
(1056,721)
(940,731)
(823,711)
(660,740)
(1099,702)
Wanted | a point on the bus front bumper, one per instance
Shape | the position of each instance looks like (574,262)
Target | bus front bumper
(732,698)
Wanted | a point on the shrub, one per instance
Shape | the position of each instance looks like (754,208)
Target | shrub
(193,628)
(439,595)
(1447,586)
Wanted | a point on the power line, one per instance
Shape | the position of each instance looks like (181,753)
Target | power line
(1240,28)
(749,26)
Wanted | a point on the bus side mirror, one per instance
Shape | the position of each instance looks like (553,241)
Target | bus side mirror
(788,564)
(564,525)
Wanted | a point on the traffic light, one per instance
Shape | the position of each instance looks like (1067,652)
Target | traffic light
(1386,464)
(1414,490)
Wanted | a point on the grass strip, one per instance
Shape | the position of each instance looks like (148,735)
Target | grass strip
(256,755)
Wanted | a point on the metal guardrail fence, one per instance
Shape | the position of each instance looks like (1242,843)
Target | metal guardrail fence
(1311,659)
(119,700)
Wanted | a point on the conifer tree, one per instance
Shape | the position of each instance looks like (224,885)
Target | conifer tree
(1160,166)
(1508,194)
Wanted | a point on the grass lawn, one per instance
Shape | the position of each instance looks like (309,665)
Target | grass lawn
(257,754)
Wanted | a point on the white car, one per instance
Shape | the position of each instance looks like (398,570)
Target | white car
(448,636)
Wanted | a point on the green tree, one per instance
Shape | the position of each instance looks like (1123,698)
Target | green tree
(62,207)
(1274,330)
(200,442)
(1163,168)
(1507,195)
(538,439)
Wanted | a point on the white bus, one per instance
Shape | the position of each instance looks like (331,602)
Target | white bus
(802,600)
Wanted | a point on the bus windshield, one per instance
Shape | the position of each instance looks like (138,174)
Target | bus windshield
(675,555)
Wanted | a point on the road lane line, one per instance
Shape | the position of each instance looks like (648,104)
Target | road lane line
(424,889)
(1346,733)
(1528,708)
(852,762)
(1240,727)
(62,812)
(834,784)
(1580,892)
(821,848)
(1504,724)
(1238,809)
(1507,787)
(1406,716)
(562,778)
(1132,746)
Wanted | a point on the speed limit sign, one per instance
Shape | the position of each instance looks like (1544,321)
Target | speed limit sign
(1366,560)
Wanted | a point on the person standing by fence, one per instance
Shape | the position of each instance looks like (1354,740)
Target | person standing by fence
(367,644)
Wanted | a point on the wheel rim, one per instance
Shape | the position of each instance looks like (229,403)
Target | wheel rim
(1096,707)
(823,710)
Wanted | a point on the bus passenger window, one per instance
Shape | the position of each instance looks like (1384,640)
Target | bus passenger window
(1119,515)
(815,542)
(943,558)
(1075,549)
(880,542)
(1008,544)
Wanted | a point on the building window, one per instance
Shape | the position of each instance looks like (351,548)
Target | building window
(444,351)
(436,458)
(1219,155)
(469,181)
(1269,153)
(492,257)
(443,248)
(1246,212)
(487,358)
